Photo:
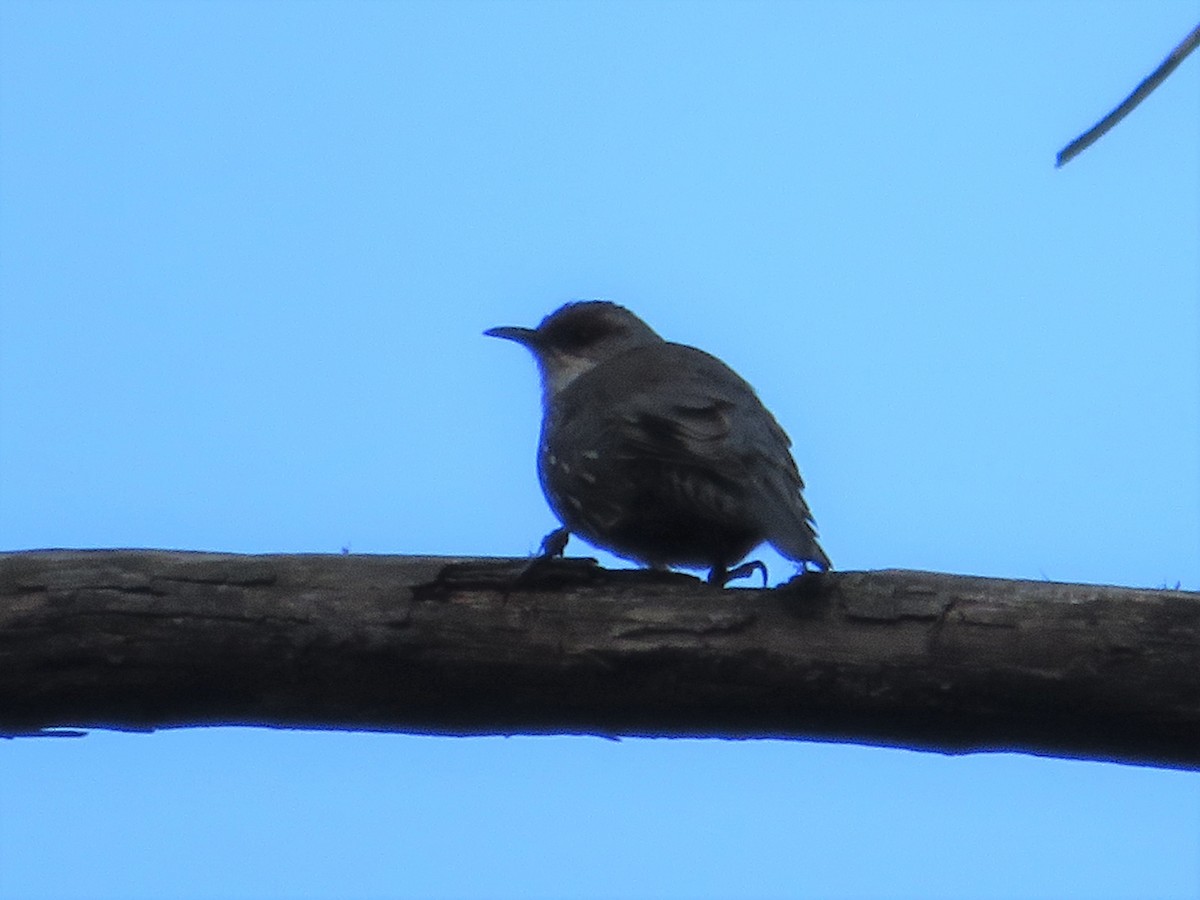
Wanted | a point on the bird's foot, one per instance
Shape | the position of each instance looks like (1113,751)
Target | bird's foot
(552,546)
(554,543)
(721,576)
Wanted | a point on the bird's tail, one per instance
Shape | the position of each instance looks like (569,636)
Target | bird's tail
(799,543)
(790,528)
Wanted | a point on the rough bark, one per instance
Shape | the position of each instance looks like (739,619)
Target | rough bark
(138,640)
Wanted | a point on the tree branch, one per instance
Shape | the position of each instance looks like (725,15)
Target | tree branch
(138,640)
(1140,93)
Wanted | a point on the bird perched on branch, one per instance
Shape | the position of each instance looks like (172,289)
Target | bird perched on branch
(657,451)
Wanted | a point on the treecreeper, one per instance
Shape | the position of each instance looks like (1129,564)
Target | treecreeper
(659,452)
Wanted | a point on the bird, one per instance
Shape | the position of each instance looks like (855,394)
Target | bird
(659,452)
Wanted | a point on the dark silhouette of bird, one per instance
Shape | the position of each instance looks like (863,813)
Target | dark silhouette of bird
(657,451)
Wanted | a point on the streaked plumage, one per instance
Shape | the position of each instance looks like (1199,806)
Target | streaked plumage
(658,451)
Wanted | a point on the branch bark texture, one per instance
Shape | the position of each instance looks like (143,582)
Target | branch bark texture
(139,640)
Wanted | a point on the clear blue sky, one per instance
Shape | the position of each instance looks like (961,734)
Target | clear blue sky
(246,254)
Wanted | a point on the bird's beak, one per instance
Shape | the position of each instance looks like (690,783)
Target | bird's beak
(523,336)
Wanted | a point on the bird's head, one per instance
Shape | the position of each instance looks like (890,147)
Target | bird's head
(576,338)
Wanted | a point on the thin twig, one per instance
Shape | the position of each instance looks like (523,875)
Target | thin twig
(1157,77)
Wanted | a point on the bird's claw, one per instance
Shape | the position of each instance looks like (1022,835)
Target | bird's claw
(721,576)
(554,544)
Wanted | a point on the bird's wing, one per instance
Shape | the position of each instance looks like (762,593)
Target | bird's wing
(689,411)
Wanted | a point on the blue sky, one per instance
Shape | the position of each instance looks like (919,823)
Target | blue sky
(247,251)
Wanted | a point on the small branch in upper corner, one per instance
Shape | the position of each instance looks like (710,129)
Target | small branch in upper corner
(1140,93)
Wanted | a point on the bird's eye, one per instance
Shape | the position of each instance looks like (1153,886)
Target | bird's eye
(584,334)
